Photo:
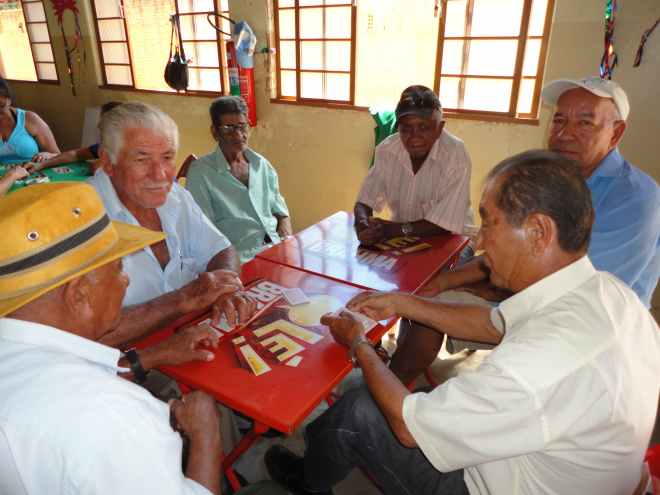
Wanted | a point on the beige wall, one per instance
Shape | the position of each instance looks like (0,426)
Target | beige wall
(322,155)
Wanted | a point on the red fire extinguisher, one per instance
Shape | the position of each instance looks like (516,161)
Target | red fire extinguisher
(241,82)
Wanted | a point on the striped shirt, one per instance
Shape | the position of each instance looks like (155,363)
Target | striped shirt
(439,192)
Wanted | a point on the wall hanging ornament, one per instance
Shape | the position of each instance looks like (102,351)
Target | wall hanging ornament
(609,59)
(60,6)
(640,49)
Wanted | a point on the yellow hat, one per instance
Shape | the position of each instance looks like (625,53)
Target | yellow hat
(55,232)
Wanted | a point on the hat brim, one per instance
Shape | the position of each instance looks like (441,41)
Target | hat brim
(424,113)
(130,239)
(551,93)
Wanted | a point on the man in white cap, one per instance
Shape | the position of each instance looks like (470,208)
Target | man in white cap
(422,173)
(587,125)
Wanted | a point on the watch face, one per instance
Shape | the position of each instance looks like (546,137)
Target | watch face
(406,228)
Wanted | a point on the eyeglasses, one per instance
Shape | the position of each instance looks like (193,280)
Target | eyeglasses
(409,102)
(229,130)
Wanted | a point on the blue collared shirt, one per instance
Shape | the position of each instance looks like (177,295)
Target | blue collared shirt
(244,214)
(626,235)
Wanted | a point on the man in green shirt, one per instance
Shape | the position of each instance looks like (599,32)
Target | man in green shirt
(236,188)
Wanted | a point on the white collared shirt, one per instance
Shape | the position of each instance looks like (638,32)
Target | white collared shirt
(439,192)
(192,240)
(565,404)
(69,425)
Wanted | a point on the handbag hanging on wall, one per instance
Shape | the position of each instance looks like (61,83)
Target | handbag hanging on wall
(176,70)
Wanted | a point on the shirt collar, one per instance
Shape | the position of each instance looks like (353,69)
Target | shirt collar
(611,166)
(222,164)
(535,297)
(117,210)
(26,332)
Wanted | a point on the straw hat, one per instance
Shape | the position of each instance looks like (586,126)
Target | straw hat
(55,232)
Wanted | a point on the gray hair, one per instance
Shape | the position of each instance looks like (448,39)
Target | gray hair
(549,183)
(227,105)
(133,115)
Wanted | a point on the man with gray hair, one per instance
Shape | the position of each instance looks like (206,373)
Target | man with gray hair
(188,270)
(236,188)
(565,404)
(422,173)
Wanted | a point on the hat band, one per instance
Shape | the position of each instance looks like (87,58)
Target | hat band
(57,250)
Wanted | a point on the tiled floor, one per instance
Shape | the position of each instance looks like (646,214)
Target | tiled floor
(252,465)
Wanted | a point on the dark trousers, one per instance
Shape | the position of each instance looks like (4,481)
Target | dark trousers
(354,432)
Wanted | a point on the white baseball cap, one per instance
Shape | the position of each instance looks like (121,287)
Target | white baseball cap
(594,84)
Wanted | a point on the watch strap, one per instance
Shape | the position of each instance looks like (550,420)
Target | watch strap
(136,365)
(354,344)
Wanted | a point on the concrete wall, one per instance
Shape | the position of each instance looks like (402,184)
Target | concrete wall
(322,154)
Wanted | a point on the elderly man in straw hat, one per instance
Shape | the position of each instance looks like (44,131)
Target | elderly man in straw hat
(68,424)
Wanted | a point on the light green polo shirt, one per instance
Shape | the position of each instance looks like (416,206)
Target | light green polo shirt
(243,214)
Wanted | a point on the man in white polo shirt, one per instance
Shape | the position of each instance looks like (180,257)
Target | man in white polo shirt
(565,403)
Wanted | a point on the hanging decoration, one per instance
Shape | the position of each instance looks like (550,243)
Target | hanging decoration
(609,60)
(640,49)
(60,6)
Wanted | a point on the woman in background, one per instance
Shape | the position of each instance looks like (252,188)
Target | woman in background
(24,136)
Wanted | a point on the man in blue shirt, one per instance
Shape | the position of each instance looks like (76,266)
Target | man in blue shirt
(588,123)
(236,188)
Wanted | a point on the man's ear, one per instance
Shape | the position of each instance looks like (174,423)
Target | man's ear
(105,160)
(618,128)
(540,232)
(214,133)
(441,126)
(75,294)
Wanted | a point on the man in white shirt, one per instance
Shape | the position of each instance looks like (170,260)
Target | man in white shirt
(422,173)
(189,269)
(68,423)
(564,404)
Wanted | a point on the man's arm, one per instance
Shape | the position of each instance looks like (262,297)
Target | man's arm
(142,319)
(463,321)
(283,226)
(178,349)
(70,156)
(471,272)
(371,230)
(199,418)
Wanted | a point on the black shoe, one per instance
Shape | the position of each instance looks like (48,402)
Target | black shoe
(285,468)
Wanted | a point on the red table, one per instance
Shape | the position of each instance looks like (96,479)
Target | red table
(330,248)
(283,396)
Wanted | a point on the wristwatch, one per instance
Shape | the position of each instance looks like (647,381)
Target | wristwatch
(407,229)
(136,365)
(351,351)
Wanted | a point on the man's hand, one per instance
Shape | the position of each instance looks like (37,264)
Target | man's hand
(197,415)
(237,306)
(486,290)
(344,328)
(207,288)
(284,229)
(370,231)
(376,305)
(184,347)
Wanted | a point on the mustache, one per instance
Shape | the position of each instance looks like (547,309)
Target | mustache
(155,185)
